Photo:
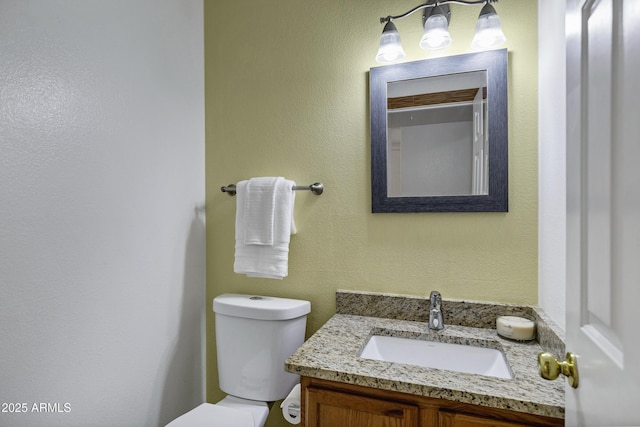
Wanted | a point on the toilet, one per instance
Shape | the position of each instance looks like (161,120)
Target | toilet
(254,337)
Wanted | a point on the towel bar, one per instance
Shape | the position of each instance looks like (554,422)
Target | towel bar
(316,188)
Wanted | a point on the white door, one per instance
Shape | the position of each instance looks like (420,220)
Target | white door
(603,211)
(478,181)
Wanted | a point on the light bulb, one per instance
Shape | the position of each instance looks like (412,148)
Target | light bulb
(436,32)
(390,45)
(488,30)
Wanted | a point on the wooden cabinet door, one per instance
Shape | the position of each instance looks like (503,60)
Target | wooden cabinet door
(449,419)
(325,408)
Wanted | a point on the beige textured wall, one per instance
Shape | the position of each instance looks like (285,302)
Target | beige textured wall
(287,95)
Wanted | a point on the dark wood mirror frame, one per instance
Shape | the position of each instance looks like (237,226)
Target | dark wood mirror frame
(495,63)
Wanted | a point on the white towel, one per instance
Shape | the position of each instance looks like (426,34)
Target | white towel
(254,255)
(259,210)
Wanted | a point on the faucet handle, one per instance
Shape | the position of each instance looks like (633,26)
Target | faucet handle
(436,299)
(436,320)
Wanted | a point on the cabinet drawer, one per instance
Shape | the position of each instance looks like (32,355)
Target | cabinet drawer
(448,419)
(326,408)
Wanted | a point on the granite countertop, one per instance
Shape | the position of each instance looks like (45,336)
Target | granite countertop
(332,353)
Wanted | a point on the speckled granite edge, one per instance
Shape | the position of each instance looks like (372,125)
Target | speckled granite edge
(333,353)
(550,336)
(474,314)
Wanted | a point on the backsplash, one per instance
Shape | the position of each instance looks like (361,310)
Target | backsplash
(456,312)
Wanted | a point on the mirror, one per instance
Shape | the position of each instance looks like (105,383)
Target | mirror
(439,134)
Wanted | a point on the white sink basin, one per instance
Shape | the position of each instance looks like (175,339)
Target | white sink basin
(438,355)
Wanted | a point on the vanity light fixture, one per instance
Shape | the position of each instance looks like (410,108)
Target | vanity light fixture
(436,29)
(436,16)
(390,45)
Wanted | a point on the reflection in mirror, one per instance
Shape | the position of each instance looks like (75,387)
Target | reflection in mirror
(439,134)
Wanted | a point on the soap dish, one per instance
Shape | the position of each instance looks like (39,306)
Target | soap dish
(516,328)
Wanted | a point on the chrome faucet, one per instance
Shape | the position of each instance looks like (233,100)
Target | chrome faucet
(435,312)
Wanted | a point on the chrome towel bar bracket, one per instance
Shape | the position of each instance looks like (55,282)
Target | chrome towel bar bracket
(316,188)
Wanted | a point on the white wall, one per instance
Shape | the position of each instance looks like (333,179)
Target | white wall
(101,245)
(552,159)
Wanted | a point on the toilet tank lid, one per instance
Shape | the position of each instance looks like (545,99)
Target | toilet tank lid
(260,307)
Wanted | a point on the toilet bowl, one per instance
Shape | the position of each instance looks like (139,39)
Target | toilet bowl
(255,335)
(229,412)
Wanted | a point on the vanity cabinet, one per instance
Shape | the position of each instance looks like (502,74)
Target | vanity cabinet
(328,408)
(333,404)
(448,419)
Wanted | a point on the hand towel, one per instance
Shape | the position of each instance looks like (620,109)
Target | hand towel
(259,207)
(260,259)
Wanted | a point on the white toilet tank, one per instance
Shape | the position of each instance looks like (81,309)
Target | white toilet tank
(254,337)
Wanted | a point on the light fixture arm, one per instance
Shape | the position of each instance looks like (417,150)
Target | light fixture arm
(404,15)
(432,4)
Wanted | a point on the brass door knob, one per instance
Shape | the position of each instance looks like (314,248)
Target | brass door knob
(550,368)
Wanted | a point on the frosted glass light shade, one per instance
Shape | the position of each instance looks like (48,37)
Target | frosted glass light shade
(436,33)
(488,30)
(390,45)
